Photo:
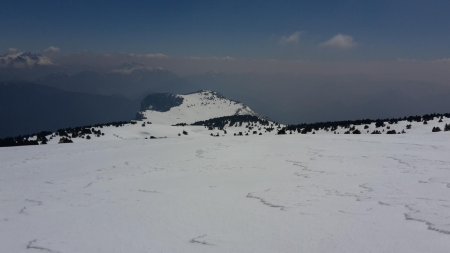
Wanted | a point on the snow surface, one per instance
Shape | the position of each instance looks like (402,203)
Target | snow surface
(292,193)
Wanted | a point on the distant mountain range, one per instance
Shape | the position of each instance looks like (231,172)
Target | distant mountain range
(132,81)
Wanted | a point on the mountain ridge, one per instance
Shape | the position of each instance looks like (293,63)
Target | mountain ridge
(207,113)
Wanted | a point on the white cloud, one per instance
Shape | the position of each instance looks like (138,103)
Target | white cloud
(340,41)
(52,50)
(294,38)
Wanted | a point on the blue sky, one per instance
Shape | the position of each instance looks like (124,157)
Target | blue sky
(248,29)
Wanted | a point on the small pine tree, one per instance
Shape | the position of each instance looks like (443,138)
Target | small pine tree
(447,127)
(435,129)
(356,132)
(65,140)
(282,131)
(379,124)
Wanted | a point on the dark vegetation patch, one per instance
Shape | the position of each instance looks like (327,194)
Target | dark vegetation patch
(66,134)
(230,121)
(350,124)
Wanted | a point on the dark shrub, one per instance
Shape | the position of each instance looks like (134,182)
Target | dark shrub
(447,127)
(379,124)
(435,129)
(282,131)
(65,140)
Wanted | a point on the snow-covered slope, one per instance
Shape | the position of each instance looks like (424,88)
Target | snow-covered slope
(294,193)
(198,106)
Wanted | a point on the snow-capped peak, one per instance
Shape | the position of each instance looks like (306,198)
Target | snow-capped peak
(19,59)
(197,106)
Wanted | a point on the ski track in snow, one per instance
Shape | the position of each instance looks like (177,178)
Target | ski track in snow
(322,194)
(32,245)
(265,202)
(199,240)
